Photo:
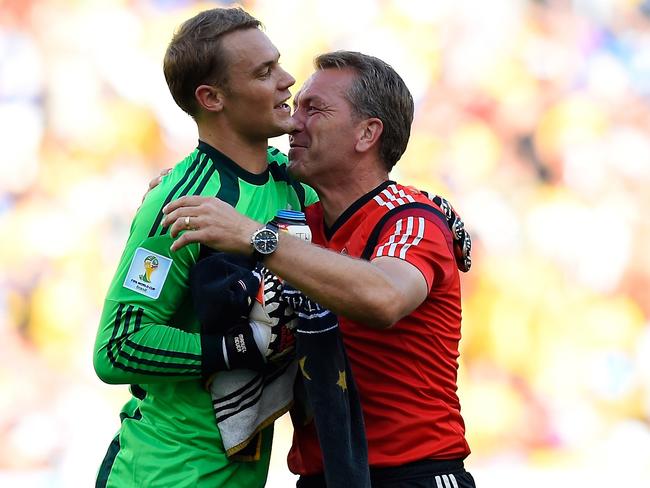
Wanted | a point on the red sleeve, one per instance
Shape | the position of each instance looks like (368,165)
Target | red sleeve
(420,239)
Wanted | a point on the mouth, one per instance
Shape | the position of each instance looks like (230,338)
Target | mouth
(294,151)
(284,106)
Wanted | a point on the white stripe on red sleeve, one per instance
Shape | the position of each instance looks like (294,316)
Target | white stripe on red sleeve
(416,240)
(391,239)
(408,232)
(405,237)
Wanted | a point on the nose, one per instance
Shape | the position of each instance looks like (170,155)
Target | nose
(286,80)
(298,123)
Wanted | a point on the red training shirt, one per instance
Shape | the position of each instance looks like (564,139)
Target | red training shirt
(406,375)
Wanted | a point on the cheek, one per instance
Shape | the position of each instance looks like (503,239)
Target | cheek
(256,99)
(258,105)
(265,94)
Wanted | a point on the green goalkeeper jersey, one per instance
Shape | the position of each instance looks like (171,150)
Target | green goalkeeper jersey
(149,336)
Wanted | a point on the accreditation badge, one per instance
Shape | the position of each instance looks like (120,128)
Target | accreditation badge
(147,273)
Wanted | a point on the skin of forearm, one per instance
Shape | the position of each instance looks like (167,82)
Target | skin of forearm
(356,289)
(347,286)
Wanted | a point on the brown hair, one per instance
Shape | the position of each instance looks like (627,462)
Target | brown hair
(195,55)
(377,91)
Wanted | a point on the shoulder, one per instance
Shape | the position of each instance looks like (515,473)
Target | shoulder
(399,200)
(395,195)
(449,224)
(401,209)
(172,186)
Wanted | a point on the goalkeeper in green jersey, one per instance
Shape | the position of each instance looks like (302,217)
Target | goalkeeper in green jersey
(223,71)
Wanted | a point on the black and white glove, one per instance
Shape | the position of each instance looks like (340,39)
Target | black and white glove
(462,239)
(244,322)
(272,319)
(262,337)
(265,336)
(223,287)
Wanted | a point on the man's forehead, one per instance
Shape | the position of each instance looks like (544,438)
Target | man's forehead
(250,48)
(324,84)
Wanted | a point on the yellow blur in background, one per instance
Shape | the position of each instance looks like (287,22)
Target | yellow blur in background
(532,118)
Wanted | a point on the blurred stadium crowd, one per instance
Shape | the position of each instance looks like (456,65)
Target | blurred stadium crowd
(533,118)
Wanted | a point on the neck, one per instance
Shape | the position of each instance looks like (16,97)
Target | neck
(340,192)
(249,155)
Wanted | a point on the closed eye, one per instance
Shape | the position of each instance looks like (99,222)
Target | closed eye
(266,73)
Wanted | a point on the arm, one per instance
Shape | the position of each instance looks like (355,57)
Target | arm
(135,341)
(141,340)
(148,332)
(144,339)
(377,293)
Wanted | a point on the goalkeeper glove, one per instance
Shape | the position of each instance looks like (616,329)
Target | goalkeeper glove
(273,318)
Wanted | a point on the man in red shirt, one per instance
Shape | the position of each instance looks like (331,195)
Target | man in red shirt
(389,271)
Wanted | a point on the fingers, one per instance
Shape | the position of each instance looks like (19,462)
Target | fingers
(176,214)
(156,181)
(188,237)
(226,228)
(187,201)
(153,183)
(185,219)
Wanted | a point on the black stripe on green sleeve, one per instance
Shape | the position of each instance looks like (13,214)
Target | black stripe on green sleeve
(144,359)
(170,195)
(118,318)
(206,178)
(162,352)
(188,186)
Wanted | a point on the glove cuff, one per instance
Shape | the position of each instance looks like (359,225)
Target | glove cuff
(213,359)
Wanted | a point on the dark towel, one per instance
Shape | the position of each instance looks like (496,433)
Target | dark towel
(331,393)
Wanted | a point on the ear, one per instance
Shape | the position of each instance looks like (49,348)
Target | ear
(209,97)
(370,131)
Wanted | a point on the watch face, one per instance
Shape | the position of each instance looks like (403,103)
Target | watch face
(265,241)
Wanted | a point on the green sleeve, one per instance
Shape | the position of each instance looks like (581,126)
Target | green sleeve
(148,332)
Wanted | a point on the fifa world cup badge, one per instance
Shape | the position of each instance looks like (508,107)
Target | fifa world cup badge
(147,273)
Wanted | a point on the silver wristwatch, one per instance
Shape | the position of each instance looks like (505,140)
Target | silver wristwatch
(264,241)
